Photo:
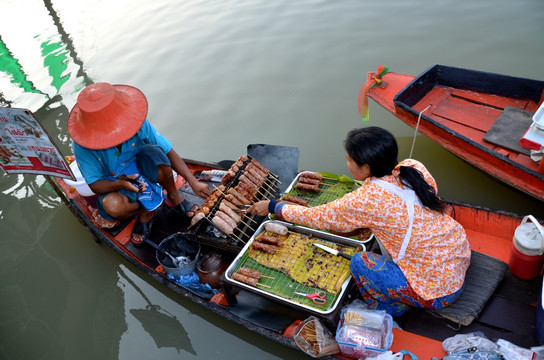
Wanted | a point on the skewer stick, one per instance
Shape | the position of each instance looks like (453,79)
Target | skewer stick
(266,286)
(247,216)
(220,190)
(242,221)
(268,277)
(239,238)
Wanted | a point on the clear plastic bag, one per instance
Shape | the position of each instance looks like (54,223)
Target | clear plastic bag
(314,339)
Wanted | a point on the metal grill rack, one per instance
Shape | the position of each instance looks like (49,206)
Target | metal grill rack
(206,230)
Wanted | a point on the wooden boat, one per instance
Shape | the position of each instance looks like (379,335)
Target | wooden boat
(478,116)
(489,232)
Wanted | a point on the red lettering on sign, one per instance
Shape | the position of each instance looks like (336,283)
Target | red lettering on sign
(17,132)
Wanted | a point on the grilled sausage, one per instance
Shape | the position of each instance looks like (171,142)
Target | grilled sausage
(307,180)
(239,196)
(245,279)
(228,210)
(223,216)
(232,199)
(249,272)
(222,225)
(312,175)
(272,240)
(295,200)
(258,170)
(276,228)
(198,216)
(308,187)
(271,249)
(258,164)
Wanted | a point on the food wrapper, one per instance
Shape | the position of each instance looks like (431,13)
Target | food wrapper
(358,314)
(314,339)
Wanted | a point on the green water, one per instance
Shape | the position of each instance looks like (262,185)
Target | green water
(218,76)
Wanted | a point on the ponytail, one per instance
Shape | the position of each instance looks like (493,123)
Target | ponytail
(425,192)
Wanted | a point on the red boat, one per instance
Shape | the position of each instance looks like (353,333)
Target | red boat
(507,311)
(478,116)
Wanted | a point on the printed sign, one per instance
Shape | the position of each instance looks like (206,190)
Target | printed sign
(25,147)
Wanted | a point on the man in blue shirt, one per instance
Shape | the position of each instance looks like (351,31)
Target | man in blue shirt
(123,158)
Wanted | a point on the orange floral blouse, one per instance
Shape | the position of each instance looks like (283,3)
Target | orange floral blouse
(438,254)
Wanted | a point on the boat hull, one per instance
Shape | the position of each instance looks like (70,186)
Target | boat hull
(458,107)
(488,231)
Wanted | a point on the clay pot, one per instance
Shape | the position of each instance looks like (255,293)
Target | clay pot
(210,268)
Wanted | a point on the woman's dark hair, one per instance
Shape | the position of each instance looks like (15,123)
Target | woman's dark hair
(378,148)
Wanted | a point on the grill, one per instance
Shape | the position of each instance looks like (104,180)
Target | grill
(207,232)
(297,266)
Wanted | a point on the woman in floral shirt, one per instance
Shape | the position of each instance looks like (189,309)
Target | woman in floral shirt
(425,253)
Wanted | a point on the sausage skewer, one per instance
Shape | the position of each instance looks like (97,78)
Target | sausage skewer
(295,200)
(252,273)
(248,280)
(271,249)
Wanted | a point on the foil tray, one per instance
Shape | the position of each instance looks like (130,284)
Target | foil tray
(278,286)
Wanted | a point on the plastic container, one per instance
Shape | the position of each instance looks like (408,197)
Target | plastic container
(80,185)
(538,117)
(365,333)
(527,253)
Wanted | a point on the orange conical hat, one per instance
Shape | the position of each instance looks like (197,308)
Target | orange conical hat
(106,115)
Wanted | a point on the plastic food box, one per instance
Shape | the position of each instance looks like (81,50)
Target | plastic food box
(361,342)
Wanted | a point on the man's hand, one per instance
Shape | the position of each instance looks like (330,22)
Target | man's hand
(201,189)
(130,183)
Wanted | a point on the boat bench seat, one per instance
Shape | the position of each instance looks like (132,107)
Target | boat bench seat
(483,276)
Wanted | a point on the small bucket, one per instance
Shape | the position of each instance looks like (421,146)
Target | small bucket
(178,245)
(527,254)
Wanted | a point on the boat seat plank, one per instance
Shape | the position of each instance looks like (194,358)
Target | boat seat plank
(499,102)
(474,116)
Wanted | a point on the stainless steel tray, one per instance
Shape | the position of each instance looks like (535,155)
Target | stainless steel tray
(333,188)
(282,287)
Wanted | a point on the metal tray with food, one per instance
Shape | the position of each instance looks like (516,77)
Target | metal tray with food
(316,188)
(282,263)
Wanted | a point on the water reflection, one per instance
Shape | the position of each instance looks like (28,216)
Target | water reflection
(163,327)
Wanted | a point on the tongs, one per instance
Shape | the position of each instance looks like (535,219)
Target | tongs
(245,207)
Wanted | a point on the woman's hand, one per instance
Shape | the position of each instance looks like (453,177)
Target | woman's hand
(259,208)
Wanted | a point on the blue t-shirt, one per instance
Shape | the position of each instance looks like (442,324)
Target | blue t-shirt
(110,163)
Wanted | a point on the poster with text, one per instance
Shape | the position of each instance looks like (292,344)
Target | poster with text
(25,147)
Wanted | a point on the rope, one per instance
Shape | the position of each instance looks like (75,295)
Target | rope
(415,132)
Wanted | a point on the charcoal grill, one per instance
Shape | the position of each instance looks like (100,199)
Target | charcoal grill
(207,232)
(284,273)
